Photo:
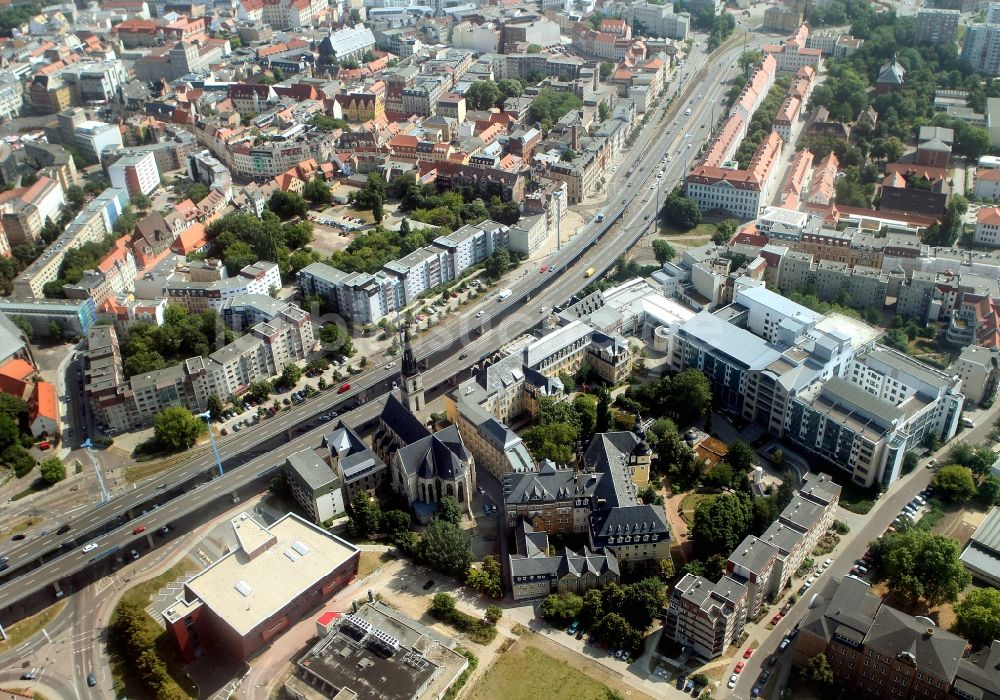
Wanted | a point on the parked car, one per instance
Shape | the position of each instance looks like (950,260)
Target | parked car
(748,653)
(784,644)
(733,678)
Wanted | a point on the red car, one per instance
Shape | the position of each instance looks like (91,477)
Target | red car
(44,445)
(343,388)
(739,666)
(544,268)
(139,530)
(776,619)
(748,653)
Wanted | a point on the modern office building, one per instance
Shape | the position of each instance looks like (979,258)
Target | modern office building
(274,576)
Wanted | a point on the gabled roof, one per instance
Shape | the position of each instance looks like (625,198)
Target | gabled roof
(404,424)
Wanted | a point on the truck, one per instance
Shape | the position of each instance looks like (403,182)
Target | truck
(503,294)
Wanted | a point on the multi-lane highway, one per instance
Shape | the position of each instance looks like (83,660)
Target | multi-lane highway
(630,209)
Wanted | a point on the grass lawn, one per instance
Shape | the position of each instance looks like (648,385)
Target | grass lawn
(23,630)
(141,593)
(527,672)
(689,503)
(856,500)
(368,563)
(702,229)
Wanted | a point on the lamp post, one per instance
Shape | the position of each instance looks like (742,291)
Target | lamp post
(687,154)
(558,196)
(711,124)
(207,417)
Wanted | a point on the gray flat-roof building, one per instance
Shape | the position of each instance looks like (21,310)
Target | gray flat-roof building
(314,485)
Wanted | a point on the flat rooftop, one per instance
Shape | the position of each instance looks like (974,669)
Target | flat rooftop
(245,592)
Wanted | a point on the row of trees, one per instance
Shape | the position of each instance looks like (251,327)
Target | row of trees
(617,614)
(463,203)
(486,94)
(763,118)
(134,645)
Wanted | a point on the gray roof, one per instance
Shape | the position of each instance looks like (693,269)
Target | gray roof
(710,597)
(978,675)
(802,513)
(11,338)
(742,346)
(311,470)
(753,554)
(404,424)
(843,607)
(987,535)
(432,457)
(908,365)
(549,484)
(852,399)
(934,650)
(820,487)
(354,456)
(628,521)
(782,536)
(608,454)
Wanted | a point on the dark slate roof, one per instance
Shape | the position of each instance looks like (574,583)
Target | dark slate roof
(891,73)
(431,458)
(753,554)
(607,454)
(979,675)
(548,484)
(933,649)
(628,521)
(845,607)
(355,457)
(399,419)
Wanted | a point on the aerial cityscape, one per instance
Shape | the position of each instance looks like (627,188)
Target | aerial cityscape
(485,349)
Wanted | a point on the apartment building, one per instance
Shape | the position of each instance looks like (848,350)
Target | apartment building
(314,484)
(706,617)
(114,276)
(660,20)
(367,298)
(128,404)
(978,368)
(936,27)
(94,222)
(981,48)
(987,231)
(260,278)
(74,317)
(136,173)
(496,447)
(741,193)
(94,137)
(11,100)
(793,53)
(25,210)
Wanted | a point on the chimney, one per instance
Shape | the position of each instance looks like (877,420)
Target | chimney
(930,632)
(575,137)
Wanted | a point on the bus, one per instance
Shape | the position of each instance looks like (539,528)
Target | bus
(590,272)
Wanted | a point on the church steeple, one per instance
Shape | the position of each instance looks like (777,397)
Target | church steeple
(412,391)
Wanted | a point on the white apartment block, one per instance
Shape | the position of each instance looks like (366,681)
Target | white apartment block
(987,232)
(135,173)
(981,48)
(11,100)
(93,138)
(259,278)
(366,298)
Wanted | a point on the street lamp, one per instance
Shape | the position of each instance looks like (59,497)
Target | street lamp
(687,154)
(207,417)
(711,124)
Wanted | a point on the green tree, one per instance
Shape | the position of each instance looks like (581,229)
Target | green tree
(691,394)
(196,192)
(614,628)
(568,155)
(215,407)
(394,522)
(585,406)
(498,263)
(260,389)
(607,67)
(663,251)
(955,483)
(366,515)
(176,429)
(978,616)
(442,606)
(287,205)
(291,374)
(741,456)
(482,95)
(510,88)
(317,192)
(989,491)
(561,609)
(720,523)
(493,614)
(52,470)
(554,441)
(449,510)
(681,212)
(142,202)
(922,566)
(9,431)
(446,548)
(817,671)
(18,459)
(488,579)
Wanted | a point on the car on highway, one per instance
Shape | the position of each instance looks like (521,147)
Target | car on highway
(732,681)
(138,530)
(135,555)
(90,547)
(343,388)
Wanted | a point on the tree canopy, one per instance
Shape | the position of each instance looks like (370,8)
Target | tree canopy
(955,482)
(446,548)
(921,566)
(978,616)
(721,523)
(176,429)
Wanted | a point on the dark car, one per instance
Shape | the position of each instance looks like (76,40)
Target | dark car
(429,585)
(17,537)
(63,530)
(91,680)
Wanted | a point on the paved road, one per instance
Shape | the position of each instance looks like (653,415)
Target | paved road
(631,208)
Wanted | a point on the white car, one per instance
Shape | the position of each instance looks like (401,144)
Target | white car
(732,681)
(479,313)
(390,365)
(90,547)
